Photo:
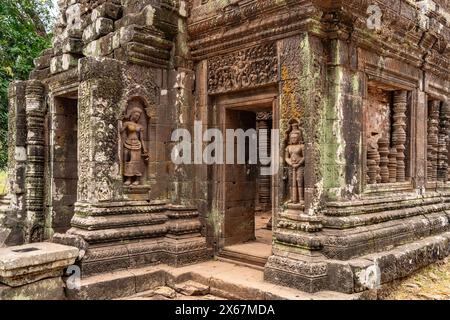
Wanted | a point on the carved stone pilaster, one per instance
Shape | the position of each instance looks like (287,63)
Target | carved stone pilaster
(444,119)
(433,140)
(12,206)
(399,132)
(34,177)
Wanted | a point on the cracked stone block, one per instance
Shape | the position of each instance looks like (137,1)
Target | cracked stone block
(191,288)
(72,45)
(107,10)
(166,292)
(99,28)
(47,289)
(63,63)
(101,47)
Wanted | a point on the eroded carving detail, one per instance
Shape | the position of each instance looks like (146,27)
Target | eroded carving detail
(247,68)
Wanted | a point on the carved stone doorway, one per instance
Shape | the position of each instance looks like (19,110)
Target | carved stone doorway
(248,196)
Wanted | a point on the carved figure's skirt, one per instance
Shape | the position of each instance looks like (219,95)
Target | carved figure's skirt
(133,169)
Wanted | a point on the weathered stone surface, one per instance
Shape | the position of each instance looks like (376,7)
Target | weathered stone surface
(63,63)
(191,288)
(165,292)
(21,265)
(47,289)
(100,27)
(362,129)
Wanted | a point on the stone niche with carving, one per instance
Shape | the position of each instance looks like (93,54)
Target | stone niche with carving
(294,157)
(135,144)
(387,136)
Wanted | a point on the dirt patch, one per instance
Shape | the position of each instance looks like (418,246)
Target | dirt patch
(431,283)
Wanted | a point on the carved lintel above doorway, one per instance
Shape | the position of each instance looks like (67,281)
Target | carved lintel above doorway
(243,69)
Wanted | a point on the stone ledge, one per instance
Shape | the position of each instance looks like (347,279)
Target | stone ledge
(29,263)
(356,275)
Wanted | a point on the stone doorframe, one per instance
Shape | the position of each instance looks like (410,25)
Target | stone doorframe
(244,101)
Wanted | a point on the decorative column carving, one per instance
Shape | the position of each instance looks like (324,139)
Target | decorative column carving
(432,140)
(444,130)
(264,181)
(393,165)
(399,132)
(383,149)
(373,168)
(34,177)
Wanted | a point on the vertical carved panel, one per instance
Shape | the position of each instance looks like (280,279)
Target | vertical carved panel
(84,139)
(35,108)
(432,140)
(399,132)
(444,130)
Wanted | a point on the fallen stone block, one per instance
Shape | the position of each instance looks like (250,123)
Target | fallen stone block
(191,288)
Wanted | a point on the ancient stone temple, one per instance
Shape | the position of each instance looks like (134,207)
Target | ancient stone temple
(354,96)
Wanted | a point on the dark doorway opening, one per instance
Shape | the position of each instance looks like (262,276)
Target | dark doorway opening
(247,193)
(63,162)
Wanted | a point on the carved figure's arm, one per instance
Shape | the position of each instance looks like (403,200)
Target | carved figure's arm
(142,141)
(287,157)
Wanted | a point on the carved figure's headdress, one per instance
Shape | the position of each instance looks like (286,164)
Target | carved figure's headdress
(295,131)
(134,110)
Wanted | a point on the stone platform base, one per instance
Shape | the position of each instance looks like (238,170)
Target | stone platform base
(173,252)
(133,234)
(313,273)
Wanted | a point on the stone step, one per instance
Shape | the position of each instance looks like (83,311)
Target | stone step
(224,281)
(239,262)
(253,255)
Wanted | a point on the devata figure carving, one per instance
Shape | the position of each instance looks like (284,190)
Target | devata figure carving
(133,144)
(294,157)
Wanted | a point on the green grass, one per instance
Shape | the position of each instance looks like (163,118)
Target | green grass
(3,178)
